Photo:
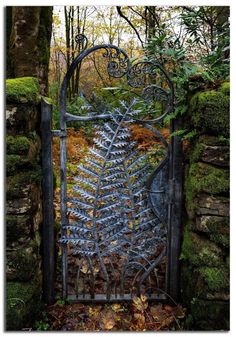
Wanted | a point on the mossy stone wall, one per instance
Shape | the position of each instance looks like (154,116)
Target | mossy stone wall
(205,246)
(23,204)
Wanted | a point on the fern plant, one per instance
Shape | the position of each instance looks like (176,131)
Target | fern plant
(110,210)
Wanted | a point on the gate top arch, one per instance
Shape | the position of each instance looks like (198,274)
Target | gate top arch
(118,66)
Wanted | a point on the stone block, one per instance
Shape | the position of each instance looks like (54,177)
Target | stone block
(215,155)
(212,205)
(22,262)
(17,226)
(22,118)
(200,251)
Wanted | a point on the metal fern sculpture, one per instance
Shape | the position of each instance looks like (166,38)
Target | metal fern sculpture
(111,223)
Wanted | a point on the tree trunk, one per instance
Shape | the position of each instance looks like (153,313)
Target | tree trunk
(29,43)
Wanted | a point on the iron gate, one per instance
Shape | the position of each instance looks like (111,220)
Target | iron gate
(120,228)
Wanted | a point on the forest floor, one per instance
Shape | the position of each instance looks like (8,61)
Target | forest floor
(138,315)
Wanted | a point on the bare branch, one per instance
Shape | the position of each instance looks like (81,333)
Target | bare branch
(130,23)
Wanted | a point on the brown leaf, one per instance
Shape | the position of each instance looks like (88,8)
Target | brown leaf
(158,313)
(107,321)
(140,303)
(140,318)
(179,312)
(168,308)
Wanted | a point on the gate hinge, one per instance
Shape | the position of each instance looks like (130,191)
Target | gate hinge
(171,191)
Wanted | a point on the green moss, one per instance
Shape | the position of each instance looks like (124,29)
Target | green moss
(209,315)
(213,140)
(17,144)
(204,178)
(13,162)
(16,183)
(22,90)
(199,251)
(197,152)
(210,112)
(220,239)
(16,163)
(215,278)
(17,226)
(22,263)
(225,88)
(207,178)
(22,304)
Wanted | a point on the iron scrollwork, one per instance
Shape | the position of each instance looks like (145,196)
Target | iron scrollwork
(118,64)
(82,41)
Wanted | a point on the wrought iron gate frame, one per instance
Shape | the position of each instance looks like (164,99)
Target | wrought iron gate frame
(175,176)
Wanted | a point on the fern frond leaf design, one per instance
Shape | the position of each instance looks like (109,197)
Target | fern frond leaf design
(74,228)
(87,170)
(86,194)
(81,203)
(111,206)
(79,213)
(86,181)
(93,163)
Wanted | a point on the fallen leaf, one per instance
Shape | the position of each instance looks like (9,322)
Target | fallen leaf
(107,321)
(158,313)
(168,308)
(179,312)
(140,318)
(116,307)
(140,304)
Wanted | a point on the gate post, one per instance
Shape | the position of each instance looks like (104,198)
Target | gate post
(176,172)
(47,189)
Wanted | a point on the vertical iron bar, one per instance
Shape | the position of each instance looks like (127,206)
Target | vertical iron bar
(47,189)
(63,214)
(63,188)
(175,212)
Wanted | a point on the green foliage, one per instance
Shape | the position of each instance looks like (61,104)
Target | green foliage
(43,324)
(22,90)
(209,64)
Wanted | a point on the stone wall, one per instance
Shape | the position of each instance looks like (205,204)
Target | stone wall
(205,246)
(23,202)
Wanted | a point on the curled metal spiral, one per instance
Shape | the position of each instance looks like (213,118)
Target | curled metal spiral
(155,93)
(136,75)
(82,41)
(118,64)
